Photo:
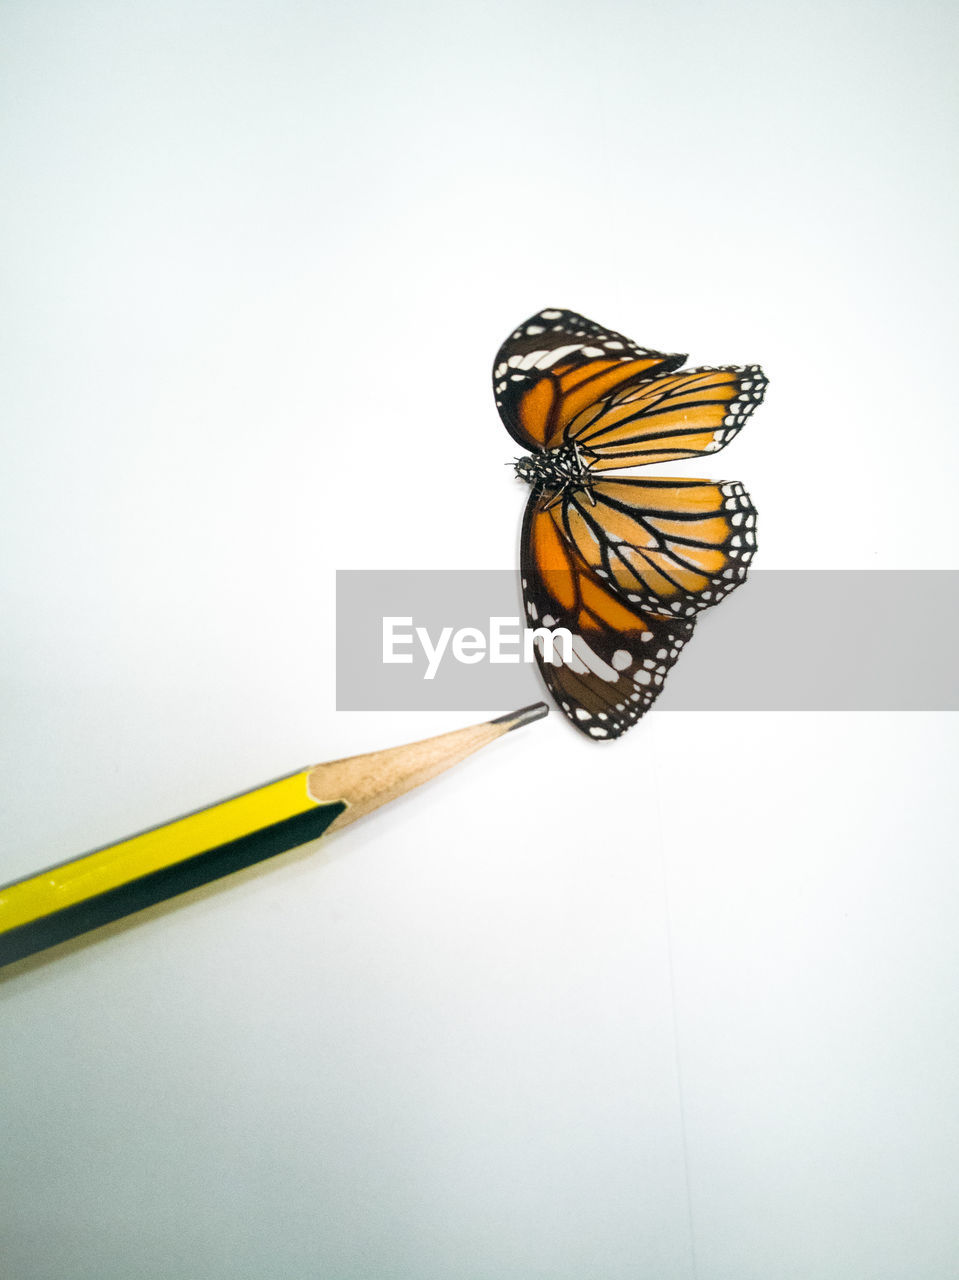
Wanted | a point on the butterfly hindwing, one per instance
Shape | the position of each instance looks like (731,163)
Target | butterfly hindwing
(664,545)
(619,654)
(556,365)
(666,417)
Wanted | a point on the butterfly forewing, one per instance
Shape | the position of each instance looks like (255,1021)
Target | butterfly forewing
(558,364)
(619,655)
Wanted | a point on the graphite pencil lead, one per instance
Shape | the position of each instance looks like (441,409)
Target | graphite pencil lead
(525,715)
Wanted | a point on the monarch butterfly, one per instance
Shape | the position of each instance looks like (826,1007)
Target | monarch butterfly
(625,564)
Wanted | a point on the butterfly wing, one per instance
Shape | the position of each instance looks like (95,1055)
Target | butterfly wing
(558,364)
(619,655)
(666,417)
(664,545)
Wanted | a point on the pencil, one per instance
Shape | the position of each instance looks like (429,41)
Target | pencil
(119,879)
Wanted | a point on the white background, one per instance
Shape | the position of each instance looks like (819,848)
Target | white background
(680,1006)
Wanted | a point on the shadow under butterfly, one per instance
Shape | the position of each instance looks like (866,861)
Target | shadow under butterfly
(625,564)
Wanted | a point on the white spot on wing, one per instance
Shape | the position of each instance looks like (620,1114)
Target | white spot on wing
(550,357)
(593,661)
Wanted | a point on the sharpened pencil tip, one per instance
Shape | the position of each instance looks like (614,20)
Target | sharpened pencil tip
(525,715)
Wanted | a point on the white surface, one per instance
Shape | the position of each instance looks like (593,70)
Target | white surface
(683,1007)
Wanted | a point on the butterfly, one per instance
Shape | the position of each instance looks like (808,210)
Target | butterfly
(626,565)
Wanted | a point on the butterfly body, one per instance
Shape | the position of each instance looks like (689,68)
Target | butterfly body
(625,564)
(556,470)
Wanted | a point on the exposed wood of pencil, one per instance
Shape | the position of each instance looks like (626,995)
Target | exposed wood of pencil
(368,781)
(165,861)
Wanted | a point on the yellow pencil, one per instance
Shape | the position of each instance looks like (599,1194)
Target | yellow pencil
(89,891)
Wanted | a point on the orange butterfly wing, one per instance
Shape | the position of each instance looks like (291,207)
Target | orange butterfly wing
(670,416)
(556,365)
(664,545)
(619,654)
